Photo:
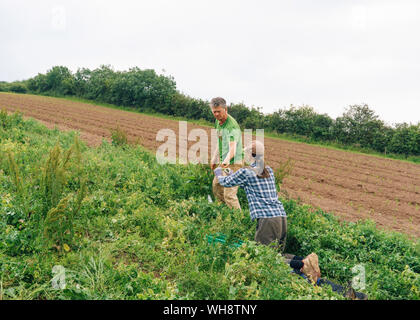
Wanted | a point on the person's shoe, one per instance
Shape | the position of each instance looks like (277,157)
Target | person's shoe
(350,294)
(354,295)
(361,296)
(311,267)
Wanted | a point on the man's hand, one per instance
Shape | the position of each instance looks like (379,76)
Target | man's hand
(225,164)
(230,155)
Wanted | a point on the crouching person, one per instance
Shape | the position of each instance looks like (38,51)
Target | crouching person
(259,184)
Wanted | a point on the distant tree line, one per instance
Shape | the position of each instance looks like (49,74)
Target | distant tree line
(145,90)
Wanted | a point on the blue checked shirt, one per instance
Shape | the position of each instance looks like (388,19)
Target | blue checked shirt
(261,193)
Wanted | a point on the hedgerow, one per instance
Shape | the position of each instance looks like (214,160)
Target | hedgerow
(146,91)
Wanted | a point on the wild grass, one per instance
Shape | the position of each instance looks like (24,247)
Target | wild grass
(125,227)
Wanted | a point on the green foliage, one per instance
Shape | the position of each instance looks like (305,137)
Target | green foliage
(127,227)
(118,137)
(58,225)
(302,121)
(39,84)
(10,121)
(58,80)
(360,125)
(182,105)
(343,245)
(16,176)
(282,171)
(55,175)
(4,86)
(18,87)
(249,118)
(406,139)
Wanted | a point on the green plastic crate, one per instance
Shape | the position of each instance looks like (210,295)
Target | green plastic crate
(221,238)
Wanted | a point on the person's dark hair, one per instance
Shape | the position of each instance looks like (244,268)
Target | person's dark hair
(264,174)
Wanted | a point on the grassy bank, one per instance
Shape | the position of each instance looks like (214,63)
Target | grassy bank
(121,226)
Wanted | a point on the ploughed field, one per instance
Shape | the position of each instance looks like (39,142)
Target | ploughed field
(352,186)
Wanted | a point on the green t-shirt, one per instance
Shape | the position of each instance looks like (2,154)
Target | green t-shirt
(229,131)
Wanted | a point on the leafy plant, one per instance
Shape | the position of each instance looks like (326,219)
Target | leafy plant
(118,137)
(16,176)
(55,172)
(150,225)
(59,222)
(282,171)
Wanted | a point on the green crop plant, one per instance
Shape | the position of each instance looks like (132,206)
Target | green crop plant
(59,222)
(129,228)
(56,171)
(16,176)
(54,176)
(118,137)
(4,119)
(283,171)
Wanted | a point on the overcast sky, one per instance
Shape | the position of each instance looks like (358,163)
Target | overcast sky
(270,54)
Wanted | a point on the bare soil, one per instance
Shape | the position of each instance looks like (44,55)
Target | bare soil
(352,186)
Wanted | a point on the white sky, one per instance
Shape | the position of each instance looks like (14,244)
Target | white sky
(271,54)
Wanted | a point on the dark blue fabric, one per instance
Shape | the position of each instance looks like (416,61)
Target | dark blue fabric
(335,287)
(323,282)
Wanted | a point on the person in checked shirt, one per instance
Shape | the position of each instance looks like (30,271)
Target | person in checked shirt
(259,184)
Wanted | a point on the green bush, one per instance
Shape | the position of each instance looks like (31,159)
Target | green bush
(4,86)
(18,88)
(406,140)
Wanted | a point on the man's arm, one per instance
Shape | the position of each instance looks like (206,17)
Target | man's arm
(215,159)
(230,155)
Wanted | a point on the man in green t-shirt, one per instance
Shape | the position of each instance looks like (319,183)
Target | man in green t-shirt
(228,153)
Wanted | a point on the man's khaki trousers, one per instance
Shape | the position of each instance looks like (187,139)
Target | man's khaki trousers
(227,195)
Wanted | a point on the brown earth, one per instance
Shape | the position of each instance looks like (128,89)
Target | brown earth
(352,186)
